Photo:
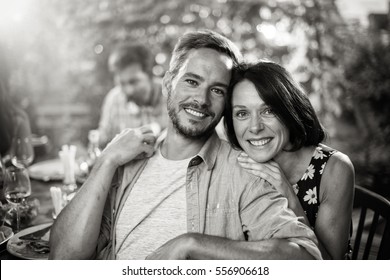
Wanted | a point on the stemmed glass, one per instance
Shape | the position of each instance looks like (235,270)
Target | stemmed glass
(17,188)
(22,151)
(2,178)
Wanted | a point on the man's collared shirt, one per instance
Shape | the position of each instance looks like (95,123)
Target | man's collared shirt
(222,200)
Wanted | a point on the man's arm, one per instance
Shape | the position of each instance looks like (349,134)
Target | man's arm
(206,247)
(273,231)
(76,230)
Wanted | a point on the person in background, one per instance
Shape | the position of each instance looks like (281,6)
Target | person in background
(188,199)
(136,100)
(14,122)
(270,118)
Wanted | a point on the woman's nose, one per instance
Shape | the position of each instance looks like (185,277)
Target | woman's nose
(256,125)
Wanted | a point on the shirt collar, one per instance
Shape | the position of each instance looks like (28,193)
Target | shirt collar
(208,153)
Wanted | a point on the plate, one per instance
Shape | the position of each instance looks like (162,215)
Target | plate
(49,170)
(23,248)
(7,238)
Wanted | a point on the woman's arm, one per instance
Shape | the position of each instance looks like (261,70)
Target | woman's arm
(336,199)
(335,211)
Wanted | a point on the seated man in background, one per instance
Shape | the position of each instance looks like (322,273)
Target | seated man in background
(136,100)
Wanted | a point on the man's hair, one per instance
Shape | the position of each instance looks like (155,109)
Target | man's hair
(202,39)
(126,54)
(286,99)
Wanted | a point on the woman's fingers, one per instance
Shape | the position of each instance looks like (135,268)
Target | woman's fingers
(260,170)
(262,175)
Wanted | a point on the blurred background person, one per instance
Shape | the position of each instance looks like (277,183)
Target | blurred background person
(14,131)
(14,124)
(136,100)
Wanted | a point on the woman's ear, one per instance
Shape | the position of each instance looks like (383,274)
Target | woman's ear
(167,83)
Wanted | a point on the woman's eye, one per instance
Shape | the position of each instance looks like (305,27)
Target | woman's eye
(267,111)
(241,114)
(191,82)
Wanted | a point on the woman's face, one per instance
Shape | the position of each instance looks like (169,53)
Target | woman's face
(259,132)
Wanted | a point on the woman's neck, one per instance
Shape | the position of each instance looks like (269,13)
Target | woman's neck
(295,163)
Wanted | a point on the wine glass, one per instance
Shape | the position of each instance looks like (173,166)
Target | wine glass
(2,178)
(17,188)
(22,151)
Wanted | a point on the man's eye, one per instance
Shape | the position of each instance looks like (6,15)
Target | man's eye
(191,82)
(218,91)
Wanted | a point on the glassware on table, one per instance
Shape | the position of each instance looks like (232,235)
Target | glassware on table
(93,148)
(2,179)
(22,151)
(17,188)
(68,156)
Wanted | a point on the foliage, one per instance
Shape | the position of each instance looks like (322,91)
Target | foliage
(62,58)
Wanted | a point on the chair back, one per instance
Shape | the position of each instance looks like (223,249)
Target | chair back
(380,207)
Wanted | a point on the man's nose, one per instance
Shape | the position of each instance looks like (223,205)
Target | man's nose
(202,96)
(256,125)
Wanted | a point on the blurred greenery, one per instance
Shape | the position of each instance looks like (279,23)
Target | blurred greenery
(57,59)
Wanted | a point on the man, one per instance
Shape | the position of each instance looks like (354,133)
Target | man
(190,200)
(136,100)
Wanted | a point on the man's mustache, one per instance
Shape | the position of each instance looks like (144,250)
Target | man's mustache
(203,108)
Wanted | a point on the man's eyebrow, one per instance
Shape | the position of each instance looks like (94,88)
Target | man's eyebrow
(200,78)
(193,75)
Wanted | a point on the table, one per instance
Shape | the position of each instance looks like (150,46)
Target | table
(41,191)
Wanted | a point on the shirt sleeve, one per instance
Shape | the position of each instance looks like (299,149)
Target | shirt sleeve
(265,214)
(103,248)
(104,244)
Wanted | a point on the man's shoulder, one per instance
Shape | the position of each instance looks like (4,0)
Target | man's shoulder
(227,152)
(114,94)
(227,164)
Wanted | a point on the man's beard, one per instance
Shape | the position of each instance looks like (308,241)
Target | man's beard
(191,132)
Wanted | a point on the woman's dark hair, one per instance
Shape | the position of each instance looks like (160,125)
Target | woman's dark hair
(284,96)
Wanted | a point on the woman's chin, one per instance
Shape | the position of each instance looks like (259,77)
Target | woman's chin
(258,156)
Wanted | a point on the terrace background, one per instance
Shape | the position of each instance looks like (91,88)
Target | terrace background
(54,55)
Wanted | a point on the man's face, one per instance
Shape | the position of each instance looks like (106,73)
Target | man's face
(196,94)
(134,83)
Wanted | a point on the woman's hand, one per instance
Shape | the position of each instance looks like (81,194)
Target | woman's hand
(273,174)
(269,171)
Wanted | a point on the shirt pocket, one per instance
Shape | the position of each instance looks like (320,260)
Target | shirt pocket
(223,220)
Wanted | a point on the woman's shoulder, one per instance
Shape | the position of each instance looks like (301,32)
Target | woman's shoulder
(339,171)
(337,160)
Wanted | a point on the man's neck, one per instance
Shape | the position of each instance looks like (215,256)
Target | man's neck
(178,147)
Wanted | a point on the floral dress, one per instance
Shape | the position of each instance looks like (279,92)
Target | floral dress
(307,188)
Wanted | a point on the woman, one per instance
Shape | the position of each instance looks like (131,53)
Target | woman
(271,119)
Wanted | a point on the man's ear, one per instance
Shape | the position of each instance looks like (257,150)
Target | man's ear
(167,83)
